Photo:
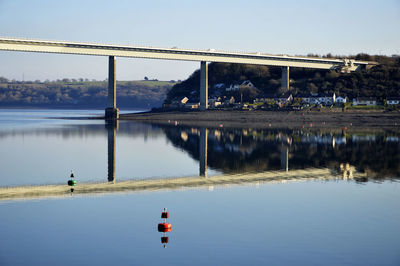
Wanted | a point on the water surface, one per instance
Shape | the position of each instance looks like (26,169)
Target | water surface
(351,219)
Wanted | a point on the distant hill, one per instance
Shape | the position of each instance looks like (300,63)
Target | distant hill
(380,81)
(84,94)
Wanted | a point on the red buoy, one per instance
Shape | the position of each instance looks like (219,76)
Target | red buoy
(164,227)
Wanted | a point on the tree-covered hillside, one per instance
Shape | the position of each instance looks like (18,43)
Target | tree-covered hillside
(380,81)
(87,94)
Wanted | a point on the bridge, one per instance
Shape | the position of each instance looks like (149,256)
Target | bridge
(203,56)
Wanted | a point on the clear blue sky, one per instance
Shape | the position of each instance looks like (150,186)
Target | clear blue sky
(283,27)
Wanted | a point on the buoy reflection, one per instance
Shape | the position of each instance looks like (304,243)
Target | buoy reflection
(71,182)
(164,227)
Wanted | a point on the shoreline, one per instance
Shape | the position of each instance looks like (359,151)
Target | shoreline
(264,119)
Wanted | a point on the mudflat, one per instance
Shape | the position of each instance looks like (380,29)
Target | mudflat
(276,119)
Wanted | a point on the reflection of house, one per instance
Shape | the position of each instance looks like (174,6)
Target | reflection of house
(368,101)
(347,170)
(323,139)
(362,138)
(393,101)
(392,139)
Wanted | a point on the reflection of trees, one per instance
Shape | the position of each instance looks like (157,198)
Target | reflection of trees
(131,129)
(230,150)
(246,150)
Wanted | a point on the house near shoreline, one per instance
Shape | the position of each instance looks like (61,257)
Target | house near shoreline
(364,101)
(284,99)
(192,105)
(214,102)
(315,98)
(233,87)
(393,101)
(184,100)
(219,86)
(236,86)
(341,100)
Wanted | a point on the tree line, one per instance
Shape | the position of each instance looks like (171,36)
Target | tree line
(81,93)
(380,81)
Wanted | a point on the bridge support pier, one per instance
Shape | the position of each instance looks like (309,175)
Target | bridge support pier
(285,79)
(203,86)
(112,111)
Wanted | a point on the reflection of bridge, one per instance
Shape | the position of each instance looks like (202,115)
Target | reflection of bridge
(28,192)
(112,128)
(24,45)
(46,191)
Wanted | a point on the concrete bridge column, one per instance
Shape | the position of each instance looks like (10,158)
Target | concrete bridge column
(203,85)
(285,78)
(112,111)
(203,151)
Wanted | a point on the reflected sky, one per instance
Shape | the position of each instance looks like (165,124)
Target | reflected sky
(309,223)
(44,152)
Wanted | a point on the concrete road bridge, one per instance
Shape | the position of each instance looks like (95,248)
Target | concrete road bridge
(203,56)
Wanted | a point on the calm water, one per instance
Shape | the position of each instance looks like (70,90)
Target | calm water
(350,221)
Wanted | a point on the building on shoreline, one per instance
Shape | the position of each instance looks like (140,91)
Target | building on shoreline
(364,101)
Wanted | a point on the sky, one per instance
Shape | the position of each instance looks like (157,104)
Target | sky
(293,27)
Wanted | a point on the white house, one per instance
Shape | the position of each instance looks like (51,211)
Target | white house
(341,99)
(393,101)
(368,101)
(315,98)
(308,99)
(248,83)
(233,87)
(219,86)
(327,99)
(184,100)
(236,86)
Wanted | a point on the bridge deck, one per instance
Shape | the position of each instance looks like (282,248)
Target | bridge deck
(25,45)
